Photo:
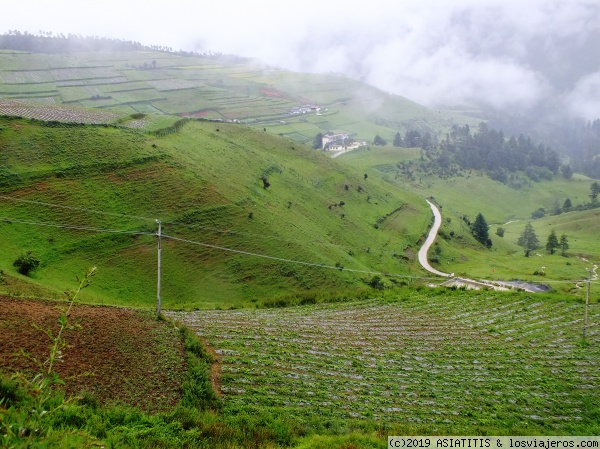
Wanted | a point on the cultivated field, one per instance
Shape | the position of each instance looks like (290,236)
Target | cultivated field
(51,112)
(157,82)
(454,361)
(118,355)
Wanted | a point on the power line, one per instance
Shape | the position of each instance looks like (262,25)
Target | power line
(248,253)
(281,259)
(66,226)
(210,228)
(40,203)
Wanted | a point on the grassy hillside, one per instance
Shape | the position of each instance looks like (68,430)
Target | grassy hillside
(79,196)
(204,177)
(470,193)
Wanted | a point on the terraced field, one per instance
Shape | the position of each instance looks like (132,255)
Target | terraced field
(164,83)
(461,360)
(46,110)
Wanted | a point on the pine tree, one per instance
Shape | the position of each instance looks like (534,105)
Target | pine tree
(564,245)
(552,242)
(318,142)
(595,188)
(567,172)
(397,140)
(528,240)
(480,231)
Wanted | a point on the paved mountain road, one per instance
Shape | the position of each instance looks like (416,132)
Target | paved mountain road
(430,239)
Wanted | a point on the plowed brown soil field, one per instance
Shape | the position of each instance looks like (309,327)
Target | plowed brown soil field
(118,355)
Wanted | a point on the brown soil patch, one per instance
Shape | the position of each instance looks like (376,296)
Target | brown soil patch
(272,93)
(215,369)
(131,357)
(201,113)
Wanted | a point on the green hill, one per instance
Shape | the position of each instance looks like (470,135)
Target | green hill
(470,192)
(204,182)
(83,195)
(163,83)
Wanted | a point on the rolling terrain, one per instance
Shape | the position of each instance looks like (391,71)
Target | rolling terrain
(252,218)
(84,195)
(151,82)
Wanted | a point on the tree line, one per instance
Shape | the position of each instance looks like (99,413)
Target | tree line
(489,150)
(49,42)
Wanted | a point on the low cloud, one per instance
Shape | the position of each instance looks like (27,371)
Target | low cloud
(502,53)
(584,99)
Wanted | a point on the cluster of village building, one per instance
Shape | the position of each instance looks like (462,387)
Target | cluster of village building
(335,143)
(341,142)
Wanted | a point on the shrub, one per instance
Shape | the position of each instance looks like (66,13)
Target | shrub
(377,283)
(26,263)
(539,213)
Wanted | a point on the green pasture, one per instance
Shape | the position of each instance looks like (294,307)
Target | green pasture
(472,192)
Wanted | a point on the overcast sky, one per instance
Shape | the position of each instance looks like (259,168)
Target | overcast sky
(503,53)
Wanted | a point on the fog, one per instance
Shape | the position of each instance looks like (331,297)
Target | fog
(512,55)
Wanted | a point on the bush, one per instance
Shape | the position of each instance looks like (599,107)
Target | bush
(377,283)
(26,263)
(539,213)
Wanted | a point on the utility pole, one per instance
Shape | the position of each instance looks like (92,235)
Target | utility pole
(158,284)
(587,303)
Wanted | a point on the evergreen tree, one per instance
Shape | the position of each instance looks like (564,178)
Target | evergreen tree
(595,188)
(412,139)
(567,172)
(398,140)
(528,240)
(568,205)
(552,242)
(564,245)
(318,142)
(480,231)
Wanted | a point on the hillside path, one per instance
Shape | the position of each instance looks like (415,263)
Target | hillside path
(430,239)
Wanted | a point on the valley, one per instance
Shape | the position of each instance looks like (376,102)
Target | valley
(301,294)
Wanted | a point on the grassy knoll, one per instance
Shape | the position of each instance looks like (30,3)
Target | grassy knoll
(418,361)
(67,190)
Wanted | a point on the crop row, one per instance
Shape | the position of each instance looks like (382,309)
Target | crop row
(93,82)
(438,360)
(65,75)
(173,84)
(54,113)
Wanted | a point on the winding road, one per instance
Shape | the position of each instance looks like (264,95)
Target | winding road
(430,239)
(470,283)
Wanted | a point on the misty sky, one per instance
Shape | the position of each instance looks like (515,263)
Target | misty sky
(513,55)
